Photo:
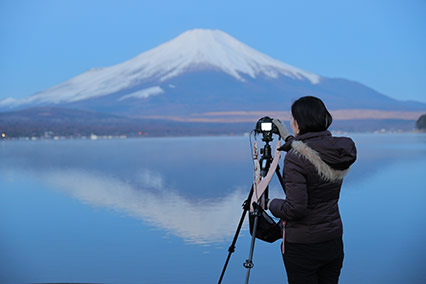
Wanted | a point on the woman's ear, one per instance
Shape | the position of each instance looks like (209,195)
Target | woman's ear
(294,126)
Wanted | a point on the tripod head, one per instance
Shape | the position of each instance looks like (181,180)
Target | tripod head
(265,159)
(267,128)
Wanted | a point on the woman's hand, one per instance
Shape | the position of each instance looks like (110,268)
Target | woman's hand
(282,129)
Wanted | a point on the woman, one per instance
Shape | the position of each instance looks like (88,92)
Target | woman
(314,168)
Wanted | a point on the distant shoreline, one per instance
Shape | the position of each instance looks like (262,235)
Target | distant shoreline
(124,137)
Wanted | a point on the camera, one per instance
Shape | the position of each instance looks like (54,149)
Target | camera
(267,128)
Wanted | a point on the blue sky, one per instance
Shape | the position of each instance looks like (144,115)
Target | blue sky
(379,43)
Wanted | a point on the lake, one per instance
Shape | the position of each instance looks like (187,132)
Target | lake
(164,210)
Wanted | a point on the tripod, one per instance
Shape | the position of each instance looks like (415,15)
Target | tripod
(265,164)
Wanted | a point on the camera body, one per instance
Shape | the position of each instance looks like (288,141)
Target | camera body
(267,128)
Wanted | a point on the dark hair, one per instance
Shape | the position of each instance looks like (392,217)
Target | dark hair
(311,114)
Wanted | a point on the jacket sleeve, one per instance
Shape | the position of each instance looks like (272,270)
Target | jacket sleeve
(296,203)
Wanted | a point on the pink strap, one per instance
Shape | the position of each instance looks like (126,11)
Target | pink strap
(283,244)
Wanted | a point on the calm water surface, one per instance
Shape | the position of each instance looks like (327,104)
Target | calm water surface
(164,210)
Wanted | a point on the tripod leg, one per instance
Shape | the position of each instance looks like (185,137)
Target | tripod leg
(231,249)
(249,262)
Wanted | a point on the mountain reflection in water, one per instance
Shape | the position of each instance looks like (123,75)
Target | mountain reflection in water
(197,221)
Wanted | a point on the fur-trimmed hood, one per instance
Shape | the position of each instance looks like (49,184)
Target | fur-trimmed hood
(331,156)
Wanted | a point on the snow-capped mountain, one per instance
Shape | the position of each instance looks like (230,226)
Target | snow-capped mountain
(198,72)
(194,49)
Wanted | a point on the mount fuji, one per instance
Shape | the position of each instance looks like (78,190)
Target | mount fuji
(199,76)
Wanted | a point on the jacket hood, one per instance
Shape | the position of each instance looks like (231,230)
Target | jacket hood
(337,152)
(332,156)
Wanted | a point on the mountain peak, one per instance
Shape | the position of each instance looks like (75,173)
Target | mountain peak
(218,50)
(200,34)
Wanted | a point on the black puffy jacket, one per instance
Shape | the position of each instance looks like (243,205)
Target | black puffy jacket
(313,172)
